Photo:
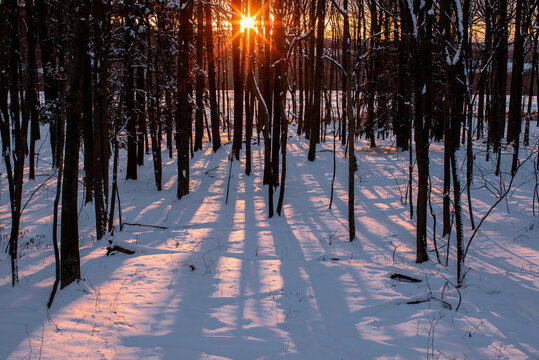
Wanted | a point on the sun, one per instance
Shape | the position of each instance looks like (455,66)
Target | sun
(247,23)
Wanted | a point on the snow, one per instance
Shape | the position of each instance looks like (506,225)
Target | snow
(223,281)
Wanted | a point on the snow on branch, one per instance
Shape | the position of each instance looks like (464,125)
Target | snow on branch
(336,63)
(339,9)
(298,38)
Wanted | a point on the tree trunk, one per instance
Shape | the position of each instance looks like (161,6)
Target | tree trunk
(50,86)
(100,131)
(237,80)
(214,111)
(70,257)
(130,101)
(319,67)
(183,110)
(279,95)
(351,130)
(32,100)
(200,81)
(515,103)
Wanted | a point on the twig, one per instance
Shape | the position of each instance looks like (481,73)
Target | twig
(29,342)
(230,160)
(42,339)
(35,191)
(507,190)
(458,291)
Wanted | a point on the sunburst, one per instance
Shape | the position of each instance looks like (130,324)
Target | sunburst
(247,23)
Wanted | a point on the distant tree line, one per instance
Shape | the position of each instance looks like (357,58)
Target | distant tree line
(106,75)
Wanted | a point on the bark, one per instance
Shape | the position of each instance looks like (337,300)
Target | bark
(100,130)
(200,80)
(265,84)
(32,100)
(497,111)
(237,80)
(131,172)
(526,139)
(372,72)
(87,131)
(279,88)
(515,103)
(183,109)
(214,111)
(13,127)
(50,87)
(351,136)
(153,108)
(317,88)
(421,65)
(69,255)
(140,96)
(249,96)
(402,120)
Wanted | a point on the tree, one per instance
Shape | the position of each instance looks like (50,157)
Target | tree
(130,113)
(214,111)
(200,81)
(12,125)
(50,111)
(496,121)
(32,100)
(100,125)
(351,128)
(183,107)
(420,20)
(315,109)
(280,120)
(69,254)
(237,79)
(515,103)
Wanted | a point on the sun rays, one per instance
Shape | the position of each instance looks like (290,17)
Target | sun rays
(247,23)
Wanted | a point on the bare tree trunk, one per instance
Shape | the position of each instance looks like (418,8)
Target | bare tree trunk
(422,60)
(200,81)
(153,108)
(352,166)
(530,92)
(497,111)
(237,80)
(140,96)
(100,131)
(249,96)
(214,111)
(130,101)
(87,132)
(50,86)
(315,109)
(70,257)
(32,100)
(265,84)
(183,111)
(515,103)
(19,129)
(279,96)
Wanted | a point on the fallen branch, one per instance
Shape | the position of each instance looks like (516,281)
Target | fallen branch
(405,278)
(144,225)
(119,249)
(445,304)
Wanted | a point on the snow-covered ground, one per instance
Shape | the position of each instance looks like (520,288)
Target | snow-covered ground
(223,281)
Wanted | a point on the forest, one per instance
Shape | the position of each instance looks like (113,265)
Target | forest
(233,179)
